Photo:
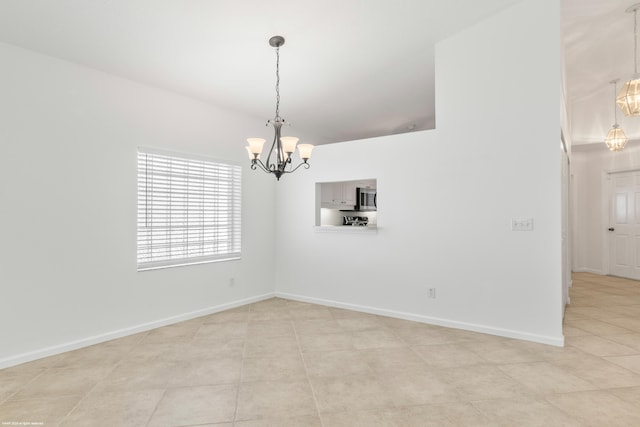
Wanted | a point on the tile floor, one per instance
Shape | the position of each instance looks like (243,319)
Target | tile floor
(284,363)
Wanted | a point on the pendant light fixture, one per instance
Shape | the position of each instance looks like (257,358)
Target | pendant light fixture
(629,97)
(615,139)
(279,158)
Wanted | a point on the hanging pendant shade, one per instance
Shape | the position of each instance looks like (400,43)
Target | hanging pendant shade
(629,97)
(616,139)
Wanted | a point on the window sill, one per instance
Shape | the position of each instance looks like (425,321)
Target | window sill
(346,229)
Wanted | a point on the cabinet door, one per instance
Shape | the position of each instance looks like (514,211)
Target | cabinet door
(327,194)
(349,193)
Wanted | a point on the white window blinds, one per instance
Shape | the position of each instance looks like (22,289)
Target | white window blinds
(188,210)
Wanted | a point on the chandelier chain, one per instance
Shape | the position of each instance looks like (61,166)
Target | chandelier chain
(277,82)
(615,110)
(635,41)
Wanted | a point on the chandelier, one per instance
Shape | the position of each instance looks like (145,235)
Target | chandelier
(615,139)
(279,158)
(629,97)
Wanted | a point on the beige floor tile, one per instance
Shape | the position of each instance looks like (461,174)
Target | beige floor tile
(212,371)
(316,312)
(31,368)
(195,405)
(524,412)
(221,331)
(394,359)
(281,314)
(572,331)
(376,338)
(631,323)
(448,355)
(271,346)
(305,421)
(454,415)
(39,411)
(316,326)
(270,328)
(418,388)
(545,378)
(179,351)
(109,409)
(105,354)
(326,342)
(360,323)
(480,382)
(630,340)
(336,364)
(426,335)
(628,394)
(10,384)
(631,363)
(597,408)
(600,373)
(274,399)
(140,375)
(503,351)
(599,346)
(598,327)
(371,418)
(362,368)
(288,368)
(543,352)
(356,392)
(56,382)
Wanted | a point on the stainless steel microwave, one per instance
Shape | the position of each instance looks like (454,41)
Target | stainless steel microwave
(366,199)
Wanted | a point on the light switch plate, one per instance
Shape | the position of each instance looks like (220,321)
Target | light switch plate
(522,224)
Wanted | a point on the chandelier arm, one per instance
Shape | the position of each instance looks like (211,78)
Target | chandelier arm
(257,162)
(270,153)
(305,164)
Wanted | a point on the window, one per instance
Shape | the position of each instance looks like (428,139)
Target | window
(188,210)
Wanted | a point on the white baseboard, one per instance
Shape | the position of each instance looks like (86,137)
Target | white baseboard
(588,270)
(555,341)
(96,339)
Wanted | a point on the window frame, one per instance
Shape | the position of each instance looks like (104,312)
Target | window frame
(196,222)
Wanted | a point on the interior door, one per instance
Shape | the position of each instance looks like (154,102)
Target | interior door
(624,230)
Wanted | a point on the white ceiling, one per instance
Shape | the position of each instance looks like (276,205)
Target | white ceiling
(598,43)
(350,69)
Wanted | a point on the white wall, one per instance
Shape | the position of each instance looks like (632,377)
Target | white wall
(590,206)
(68,138)
(493,157)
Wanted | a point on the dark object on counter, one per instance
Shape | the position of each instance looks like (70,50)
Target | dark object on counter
(356,221)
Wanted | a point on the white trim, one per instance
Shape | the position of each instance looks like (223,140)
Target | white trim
(345,229)
(587,270)
(189,156)
(605,210)
(96,339)
(508,333)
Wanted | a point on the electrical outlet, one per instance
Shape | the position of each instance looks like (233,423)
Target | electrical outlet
(522,224)
(432,293)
